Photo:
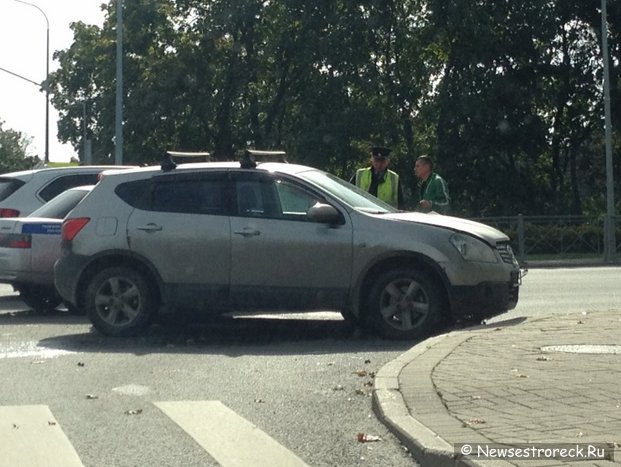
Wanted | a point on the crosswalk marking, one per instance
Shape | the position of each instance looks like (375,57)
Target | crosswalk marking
(230,439)
(30,437)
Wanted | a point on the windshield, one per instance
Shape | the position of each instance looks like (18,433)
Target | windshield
(346,192)
(59,206)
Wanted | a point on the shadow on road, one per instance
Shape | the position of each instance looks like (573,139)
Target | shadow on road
(232,336)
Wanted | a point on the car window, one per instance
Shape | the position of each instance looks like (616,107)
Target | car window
(294,201)
(8,186)
(273,198)
(64,182)
(194,196)
(250,200)
(59,206)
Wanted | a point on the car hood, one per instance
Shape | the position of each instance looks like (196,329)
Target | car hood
(482,231)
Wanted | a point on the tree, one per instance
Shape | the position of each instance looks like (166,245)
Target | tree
(14,151)
(506,95)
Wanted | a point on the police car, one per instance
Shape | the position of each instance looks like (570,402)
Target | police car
(24,191)
(255,236)
(29,247)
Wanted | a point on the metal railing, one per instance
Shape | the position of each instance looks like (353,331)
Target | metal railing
(556,237)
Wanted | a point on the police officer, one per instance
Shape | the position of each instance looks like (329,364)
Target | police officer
(379,180)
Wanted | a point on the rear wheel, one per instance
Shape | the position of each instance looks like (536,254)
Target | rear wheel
(404,303)
(39,298)
(119,302)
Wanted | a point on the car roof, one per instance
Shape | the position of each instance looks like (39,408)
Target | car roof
(72,168)
(280,167)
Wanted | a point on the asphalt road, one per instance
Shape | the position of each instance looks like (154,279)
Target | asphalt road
(179,396)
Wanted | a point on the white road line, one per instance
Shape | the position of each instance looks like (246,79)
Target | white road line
(230,439)
(30,350)
(30,436)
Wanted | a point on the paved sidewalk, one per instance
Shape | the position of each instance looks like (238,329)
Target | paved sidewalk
(546,381)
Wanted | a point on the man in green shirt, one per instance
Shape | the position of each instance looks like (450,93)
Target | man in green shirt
(434,195)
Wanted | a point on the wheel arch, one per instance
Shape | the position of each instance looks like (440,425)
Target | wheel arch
(118,258)
(398,260)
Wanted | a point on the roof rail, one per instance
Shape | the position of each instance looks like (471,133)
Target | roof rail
(168,164)
(250,156)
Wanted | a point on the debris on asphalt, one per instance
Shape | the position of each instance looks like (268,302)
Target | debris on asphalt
(365,438)
(133,412)
(80,364)
(338,387)
(92,396)
(476,421)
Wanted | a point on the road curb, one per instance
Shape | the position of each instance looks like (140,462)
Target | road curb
(389,406)
(427,446)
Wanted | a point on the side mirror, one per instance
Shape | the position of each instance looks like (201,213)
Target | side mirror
(324,214)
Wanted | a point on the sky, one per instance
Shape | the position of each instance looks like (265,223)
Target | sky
(23,51)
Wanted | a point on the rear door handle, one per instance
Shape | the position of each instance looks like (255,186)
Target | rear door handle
(247,232)
(150,227)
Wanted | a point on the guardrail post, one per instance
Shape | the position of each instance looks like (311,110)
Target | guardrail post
(521,240)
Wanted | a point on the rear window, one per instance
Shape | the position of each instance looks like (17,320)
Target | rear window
(59,207)
(64,182)
(8,186)
(134,193)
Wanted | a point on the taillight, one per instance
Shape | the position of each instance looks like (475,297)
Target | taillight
(15,241)
(71,227)
(6,212)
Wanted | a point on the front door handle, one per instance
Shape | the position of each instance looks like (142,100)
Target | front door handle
(247,232)
(151,227)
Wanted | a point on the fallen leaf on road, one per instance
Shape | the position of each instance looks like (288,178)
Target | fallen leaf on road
(365,438)
(476,421)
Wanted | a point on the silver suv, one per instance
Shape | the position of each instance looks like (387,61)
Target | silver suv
(223,237)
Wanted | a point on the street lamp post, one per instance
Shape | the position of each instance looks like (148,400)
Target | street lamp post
(118,138)
(45,84)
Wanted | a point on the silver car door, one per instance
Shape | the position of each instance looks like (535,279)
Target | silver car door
(281,260)
(185,233)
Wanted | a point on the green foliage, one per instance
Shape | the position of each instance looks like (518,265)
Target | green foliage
(13,151)
(505,95)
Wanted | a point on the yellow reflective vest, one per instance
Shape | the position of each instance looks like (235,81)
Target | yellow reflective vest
(387,191)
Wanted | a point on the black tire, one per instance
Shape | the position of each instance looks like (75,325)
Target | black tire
(404,303)
(119,302)
(39,298)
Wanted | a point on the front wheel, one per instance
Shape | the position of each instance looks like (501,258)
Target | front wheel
(119,302)
(404,303)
